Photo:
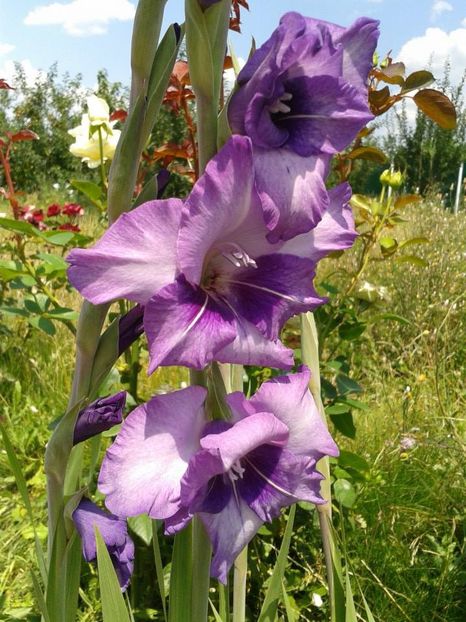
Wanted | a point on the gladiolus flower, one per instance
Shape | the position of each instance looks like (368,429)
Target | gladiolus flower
(302,97)
(235,474)
(213,287)
(114,533)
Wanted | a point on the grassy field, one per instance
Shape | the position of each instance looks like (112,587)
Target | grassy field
(404,536)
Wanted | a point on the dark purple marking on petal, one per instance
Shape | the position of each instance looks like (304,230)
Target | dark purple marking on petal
(185,326)
(267,296)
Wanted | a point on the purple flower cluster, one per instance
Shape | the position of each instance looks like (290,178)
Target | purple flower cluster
(217,276)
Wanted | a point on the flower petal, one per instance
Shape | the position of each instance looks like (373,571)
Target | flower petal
(185,326)
(250,347)
(334,232)
(223,206)
(292,191)
(229,531)
(141,471)
(268,295)
(133,259)
(289,398)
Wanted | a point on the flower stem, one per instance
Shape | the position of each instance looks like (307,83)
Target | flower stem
(202,553)
(239,586)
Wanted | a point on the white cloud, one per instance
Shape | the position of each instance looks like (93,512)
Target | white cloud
(81,17)
(433,49)
(463,22)
(8,71)
(6,48)
(439,7)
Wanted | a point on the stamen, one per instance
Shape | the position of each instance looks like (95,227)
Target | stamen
(238,256)
(279,104)
(236,471)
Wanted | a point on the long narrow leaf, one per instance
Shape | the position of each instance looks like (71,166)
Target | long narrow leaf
(274,592)
(350,615)
(40,597)
(290,614)
(113,603)
(159,567)
(23,491)
(181,577)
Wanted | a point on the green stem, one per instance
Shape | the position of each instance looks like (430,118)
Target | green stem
(202,553)
(207,110)
(103,176)
(239,586)
(181,578)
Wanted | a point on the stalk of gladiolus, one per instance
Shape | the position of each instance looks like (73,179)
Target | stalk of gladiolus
(205,59)
(310,357)
(58,455)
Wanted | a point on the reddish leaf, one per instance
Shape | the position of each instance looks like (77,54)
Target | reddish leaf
(22,135)
(367,153)
(385,77)
(5,85)
(436,106)
(119,115)
(416,80)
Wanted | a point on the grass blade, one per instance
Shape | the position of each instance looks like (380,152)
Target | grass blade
(23,491)
(350,614)
(290,614)
(40,597)
(113,603)
(274,592)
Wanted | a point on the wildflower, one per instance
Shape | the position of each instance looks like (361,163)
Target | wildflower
(95,127)
(53,210)
(68,226)
(302,97)
(72,209)
(213,287)
(99,416)
(114,533)
(235,474)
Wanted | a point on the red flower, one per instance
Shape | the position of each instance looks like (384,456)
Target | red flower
(73,209)
(53,210)
(67,226)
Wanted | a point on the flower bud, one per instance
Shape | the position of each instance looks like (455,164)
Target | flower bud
(99,416)
(394,179)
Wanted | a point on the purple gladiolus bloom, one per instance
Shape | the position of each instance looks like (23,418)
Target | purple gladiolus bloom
(99,416)
(114,533)
(213,287)
(205,4)
(234,474)
(130,328)
(301,98)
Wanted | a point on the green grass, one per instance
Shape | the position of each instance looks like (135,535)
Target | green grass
(404,537)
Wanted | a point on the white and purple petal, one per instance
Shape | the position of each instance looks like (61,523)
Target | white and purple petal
(186,326)
(142,470)
(134,258)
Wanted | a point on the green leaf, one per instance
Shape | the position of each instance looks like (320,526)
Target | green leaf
(388,245)
(413,260)
(14,311)
(373,154)
(39,596)
(10,269)
(344,423)
(347,385)
(142,527)
(181,577)
(344,493)
(351,330)
(91,190)
(370,617)
(416,80)
(159,566)
(350,614)
(337,409)
(391,316)
(54,261)
(437,107)
(217,616)
(274,591)
(42,323)
(18,226)
(62,313)
(412,241)
(113,604)
(354,403)
(290,613)
(353,461)
(23,491)
(59,238)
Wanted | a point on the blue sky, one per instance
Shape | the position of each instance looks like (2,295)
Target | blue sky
(85,35)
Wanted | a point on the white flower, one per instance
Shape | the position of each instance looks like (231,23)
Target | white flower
(317,600)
